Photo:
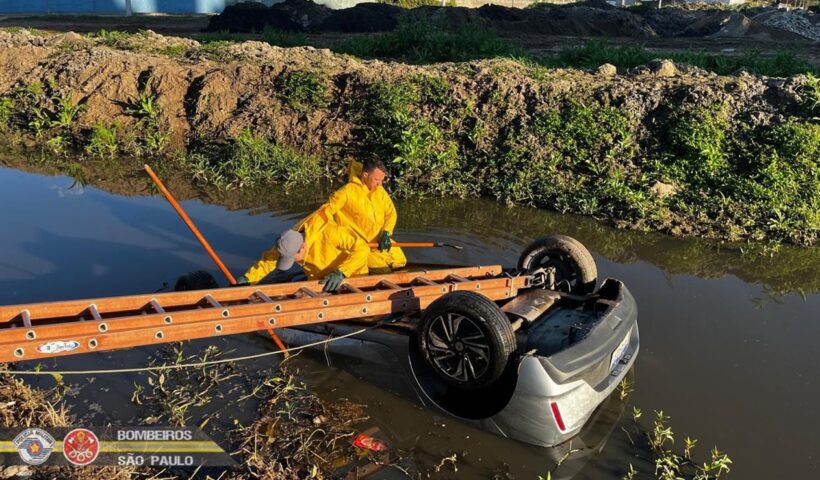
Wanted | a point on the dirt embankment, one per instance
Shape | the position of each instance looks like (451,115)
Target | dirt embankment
(659,147)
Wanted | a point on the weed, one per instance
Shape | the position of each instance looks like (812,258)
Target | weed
(812,93)
(252,160)
(281,38)
(66,112)
(40,121)
(57,144)
(215,50)
(698,137)
(424,41)
(302,90)
(6,110)
(144,106)
(111,38)
(598,52)
(76,171)
(104,141)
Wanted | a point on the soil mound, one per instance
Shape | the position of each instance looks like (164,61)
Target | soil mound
(585,20)
(804,24)
(251,17)
(362,18)
(670,22)
(451,17)
(304,13)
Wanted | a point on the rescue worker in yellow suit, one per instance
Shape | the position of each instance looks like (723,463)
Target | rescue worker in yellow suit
(364,206)
(320,249)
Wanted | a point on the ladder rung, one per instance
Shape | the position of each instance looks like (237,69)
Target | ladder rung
(308,292)
(457,278)
(425,281)
(351,288)
(212,301)
(92,310)
(26,318)
(389,284)
(261,296)
(156,306)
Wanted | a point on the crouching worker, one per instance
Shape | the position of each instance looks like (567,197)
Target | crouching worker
(364,206)
(320,250)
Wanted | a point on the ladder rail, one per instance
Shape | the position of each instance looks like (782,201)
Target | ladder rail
(114,340)
(60,330)
(73,308)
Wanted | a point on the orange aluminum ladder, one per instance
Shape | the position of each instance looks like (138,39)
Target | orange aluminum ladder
(43,330)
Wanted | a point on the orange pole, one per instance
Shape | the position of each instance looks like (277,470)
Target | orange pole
(207,246)
(190,224)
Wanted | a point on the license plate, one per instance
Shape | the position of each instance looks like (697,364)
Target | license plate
(619,352)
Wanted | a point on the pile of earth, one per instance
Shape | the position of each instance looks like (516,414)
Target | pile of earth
(586,19)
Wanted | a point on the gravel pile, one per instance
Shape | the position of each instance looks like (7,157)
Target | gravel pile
(801,23)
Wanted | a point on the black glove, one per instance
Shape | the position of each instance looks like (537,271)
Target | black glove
(333,281)
(384,241)
(241,281)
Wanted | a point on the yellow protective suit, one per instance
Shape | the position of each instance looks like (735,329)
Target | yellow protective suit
(329,247)
(368,214)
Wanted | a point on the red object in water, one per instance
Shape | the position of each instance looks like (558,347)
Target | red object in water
(367,442)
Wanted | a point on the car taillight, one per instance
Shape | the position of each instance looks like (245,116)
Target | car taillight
(557,415)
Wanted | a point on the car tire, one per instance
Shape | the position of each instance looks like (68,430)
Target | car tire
(466,339)
(575,270)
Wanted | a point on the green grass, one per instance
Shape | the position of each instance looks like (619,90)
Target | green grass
(303,91)
(251,160)
(423,41)
(279,38)
(6,111)
(597,52)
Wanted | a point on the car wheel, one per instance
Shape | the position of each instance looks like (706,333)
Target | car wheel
(574,268)
(466,339)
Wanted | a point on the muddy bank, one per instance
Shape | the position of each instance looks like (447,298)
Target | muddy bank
(662,146)
(294,435)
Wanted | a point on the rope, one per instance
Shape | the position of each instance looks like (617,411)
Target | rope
(184,365)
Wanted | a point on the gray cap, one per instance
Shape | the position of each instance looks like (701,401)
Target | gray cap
(288,245)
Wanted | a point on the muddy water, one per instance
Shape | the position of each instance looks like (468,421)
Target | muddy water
(728,339)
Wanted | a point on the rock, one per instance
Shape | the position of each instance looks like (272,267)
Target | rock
(664,190)
(607,70)
(664,68)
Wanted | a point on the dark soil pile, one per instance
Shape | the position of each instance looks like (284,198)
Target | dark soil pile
(588,19)
(302,12)
(362,18)
(251,17)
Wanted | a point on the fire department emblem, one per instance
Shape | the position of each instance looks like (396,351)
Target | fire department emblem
(81,446)
(34,445)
